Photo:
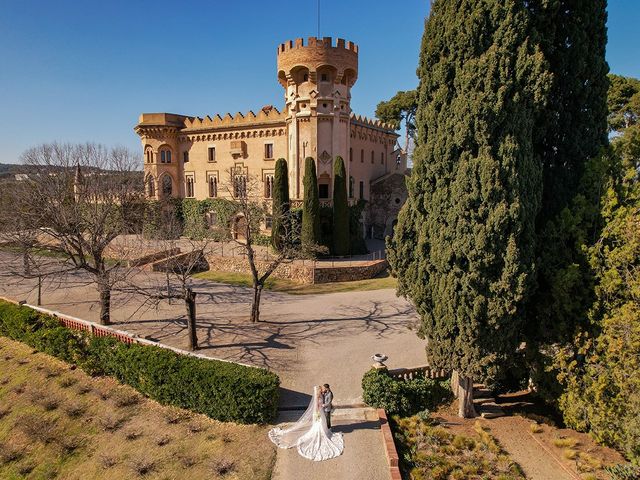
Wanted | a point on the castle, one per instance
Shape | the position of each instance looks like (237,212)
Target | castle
(194,157)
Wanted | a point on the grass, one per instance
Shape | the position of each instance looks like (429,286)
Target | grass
(428,451)
(294,288)
(58,423)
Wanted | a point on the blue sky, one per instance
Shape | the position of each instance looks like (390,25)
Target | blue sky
(84,70)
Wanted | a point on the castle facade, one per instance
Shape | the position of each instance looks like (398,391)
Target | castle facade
(213,157)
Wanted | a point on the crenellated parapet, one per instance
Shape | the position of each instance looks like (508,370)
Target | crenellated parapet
(265,116)
(372,123)
(298,62)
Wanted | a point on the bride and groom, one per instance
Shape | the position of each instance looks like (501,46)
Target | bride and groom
(312,434)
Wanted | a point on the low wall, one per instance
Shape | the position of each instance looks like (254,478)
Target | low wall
(153,257)
(192,261)
(307,272)
(97,330)
(295,271)
(348,273)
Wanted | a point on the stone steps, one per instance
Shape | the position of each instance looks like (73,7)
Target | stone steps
(485,403)
(344,413)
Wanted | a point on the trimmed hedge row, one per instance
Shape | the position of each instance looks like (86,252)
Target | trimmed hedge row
(403,397)
(221,390)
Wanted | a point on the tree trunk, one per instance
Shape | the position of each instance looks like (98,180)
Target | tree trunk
(190,301)
(25,264)
(455,383)
(39,301)
(105,299)
(465,398)
(255,306)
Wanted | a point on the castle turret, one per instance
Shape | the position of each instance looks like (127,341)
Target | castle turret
(317,78)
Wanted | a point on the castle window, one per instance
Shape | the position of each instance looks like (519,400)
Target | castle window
(351,154)
(151,187)
(211,154)
(268,186)
(167,186)
(306,77)
(213,186)
(324,77)
(323,190)
(372,154)
(362,156)
(381,158)
(351,186)
(149,155)
(185,157)
(212,218)
(268,150)
(165,156)
(361,190)
(240,186)
(189,190)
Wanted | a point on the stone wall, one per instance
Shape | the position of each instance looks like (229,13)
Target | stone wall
(302,272)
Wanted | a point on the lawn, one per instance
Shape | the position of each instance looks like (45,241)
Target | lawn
(58,422)
(293,288)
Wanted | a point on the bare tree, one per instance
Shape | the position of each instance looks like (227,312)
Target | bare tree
(184,257)
(79,199)
(252,209)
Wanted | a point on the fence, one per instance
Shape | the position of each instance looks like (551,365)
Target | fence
(94,329)
(417,372)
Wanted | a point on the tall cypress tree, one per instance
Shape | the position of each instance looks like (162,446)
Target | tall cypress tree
(571,131)
(279,229)
(340,209)
(310,234)
(464,244)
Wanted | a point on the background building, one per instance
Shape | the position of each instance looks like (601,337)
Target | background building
(194,157)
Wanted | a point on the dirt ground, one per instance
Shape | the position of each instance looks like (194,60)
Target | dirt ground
(545,454)
(58,422)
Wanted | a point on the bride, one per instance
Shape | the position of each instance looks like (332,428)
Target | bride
(310,434)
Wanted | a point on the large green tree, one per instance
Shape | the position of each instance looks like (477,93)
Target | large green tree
(310,234)
(340,209)
(572,130)
(624,102)
(464,245)
(400,108)
(598,368)
(281,205)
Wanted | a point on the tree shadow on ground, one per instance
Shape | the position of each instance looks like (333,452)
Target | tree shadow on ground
(353,426)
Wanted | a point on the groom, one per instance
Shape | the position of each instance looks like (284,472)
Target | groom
(327,398)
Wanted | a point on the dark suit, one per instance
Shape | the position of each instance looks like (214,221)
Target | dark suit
(327,398)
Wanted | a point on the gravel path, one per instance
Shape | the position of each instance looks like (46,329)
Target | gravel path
(538,464)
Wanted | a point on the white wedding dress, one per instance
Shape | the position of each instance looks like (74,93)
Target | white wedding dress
(310,434)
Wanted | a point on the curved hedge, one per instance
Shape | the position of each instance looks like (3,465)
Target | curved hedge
(221,390)
(403,397)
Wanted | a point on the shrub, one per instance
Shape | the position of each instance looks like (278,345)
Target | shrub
(403,397)
(623,472)
(222,390)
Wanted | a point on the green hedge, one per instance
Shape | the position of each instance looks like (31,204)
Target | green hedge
(224,391)
(403,397)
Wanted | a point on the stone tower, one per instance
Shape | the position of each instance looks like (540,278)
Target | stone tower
(317,78)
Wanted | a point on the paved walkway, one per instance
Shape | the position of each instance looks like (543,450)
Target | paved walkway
(307,340)
(363,456)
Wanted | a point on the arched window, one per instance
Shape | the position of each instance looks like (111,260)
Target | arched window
(167,186)
(189,190)
(372,154)
(351,154)
(362,156)
(268,186)
(351,186)
(213,186)
(165,155)
(381,158)
(151,186)
(148,154)
(240,186)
